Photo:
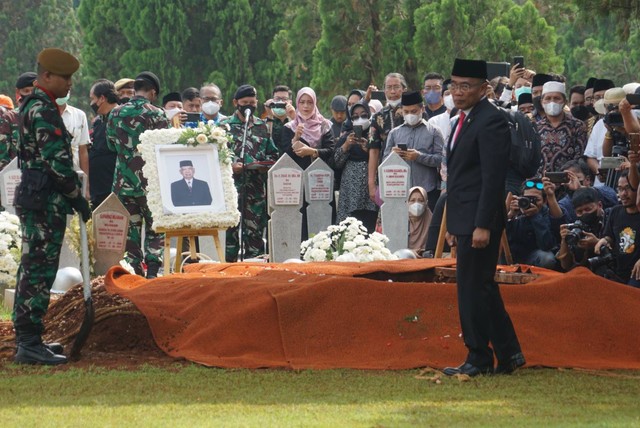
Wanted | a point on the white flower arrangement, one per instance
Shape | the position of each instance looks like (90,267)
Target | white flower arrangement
(203,135)
(346,242)
(10,247)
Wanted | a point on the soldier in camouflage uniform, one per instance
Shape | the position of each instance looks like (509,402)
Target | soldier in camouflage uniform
(48,176)
(8,136)
(250,183)
(125,125)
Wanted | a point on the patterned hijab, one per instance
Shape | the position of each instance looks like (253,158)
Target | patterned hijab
(314,126)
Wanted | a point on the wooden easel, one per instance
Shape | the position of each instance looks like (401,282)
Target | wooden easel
(191,234)
(504,242)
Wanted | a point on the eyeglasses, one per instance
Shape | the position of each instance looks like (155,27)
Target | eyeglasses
(624,189)
(464,87)
(363,116)
(434,88)
(280,99)
(394,87)
(531,184)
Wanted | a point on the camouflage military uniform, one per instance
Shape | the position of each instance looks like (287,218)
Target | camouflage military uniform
(46,146)
(124,126)
(252,187)
(8,136)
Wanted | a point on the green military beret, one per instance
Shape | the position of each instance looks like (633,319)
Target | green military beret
(58,62)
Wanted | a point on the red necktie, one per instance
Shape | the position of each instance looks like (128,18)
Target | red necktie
(461,118)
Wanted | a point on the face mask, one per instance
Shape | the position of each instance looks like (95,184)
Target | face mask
(416,209)
(522,90)
(580,112)
(211,108)
(537,103)
(394,103)
(124,100)
(279,111)
(95,108)
(62,101)
(412,119)
(590,218)
(241,109)
(362,122)
(172,112)
(592,110)
(448,102)
(432,97)
(553,109)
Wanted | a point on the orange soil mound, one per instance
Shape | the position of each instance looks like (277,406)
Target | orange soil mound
(329,315)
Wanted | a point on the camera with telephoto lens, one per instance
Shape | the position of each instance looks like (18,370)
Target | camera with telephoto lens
(614,120)
(576,233)
(605,258)
(525,202)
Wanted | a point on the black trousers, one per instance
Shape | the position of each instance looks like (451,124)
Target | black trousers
(483,317)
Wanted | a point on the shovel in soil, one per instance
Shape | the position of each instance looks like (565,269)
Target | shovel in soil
(89,313)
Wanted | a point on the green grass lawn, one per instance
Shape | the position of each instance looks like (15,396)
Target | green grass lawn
(193,396)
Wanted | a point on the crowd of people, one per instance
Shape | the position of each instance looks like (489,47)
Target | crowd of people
(580,208)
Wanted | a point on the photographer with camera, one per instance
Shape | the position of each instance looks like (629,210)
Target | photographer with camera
(578,239)
(279,112)
(529,223)
(621,235)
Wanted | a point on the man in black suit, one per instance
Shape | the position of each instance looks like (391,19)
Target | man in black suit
(189,191)
(477,160)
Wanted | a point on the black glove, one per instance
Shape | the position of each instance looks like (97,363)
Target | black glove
(81,206)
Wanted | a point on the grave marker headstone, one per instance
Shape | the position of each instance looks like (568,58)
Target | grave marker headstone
(110,226)
(10,177)
(394,175)
(285,199)
(318,191)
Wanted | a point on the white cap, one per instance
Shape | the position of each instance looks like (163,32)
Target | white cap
(554,86)
(630,88)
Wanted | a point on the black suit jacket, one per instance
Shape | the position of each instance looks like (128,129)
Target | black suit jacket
(476,171)
(199,194)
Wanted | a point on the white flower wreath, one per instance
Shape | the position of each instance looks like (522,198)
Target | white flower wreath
(204,134)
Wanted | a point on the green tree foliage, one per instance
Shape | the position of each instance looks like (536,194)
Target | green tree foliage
(27,27)
(489,29)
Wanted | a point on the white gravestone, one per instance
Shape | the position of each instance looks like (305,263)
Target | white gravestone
(285,199)
(394,175)
(110,226)
(10,177)
(318,193)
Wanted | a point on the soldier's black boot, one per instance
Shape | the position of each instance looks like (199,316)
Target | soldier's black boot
(55,347)
(31,350)
(152,270)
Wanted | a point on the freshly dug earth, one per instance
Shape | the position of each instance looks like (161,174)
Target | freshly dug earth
(120,336)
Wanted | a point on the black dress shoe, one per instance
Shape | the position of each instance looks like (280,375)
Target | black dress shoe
(467,369)
(508,367)
(37,354)
(55,347)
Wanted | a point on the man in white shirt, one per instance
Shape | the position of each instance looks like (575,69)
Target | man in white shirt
(76,123)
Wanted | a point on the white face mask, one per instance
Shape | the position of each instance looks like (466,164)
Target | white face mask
(416,209)
(211,108)
(412,119)
(362,122)
(172,112)
(448,102)
(62,101)
(394,103)
(553,109)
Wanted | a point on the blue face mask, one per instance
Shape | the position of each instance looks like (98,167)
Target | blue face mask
(522,90)
(432,97)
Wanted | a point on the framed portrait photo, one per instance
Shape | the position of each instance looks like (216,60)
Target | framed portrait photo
(189,186)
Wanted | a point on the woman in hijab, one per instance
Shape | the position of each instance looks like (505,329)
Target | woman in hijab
(308,136)
(419,219)
(352,156)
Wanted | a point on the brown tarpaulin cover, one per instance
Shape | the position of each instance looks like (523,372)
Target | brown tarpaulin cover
(326,315)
